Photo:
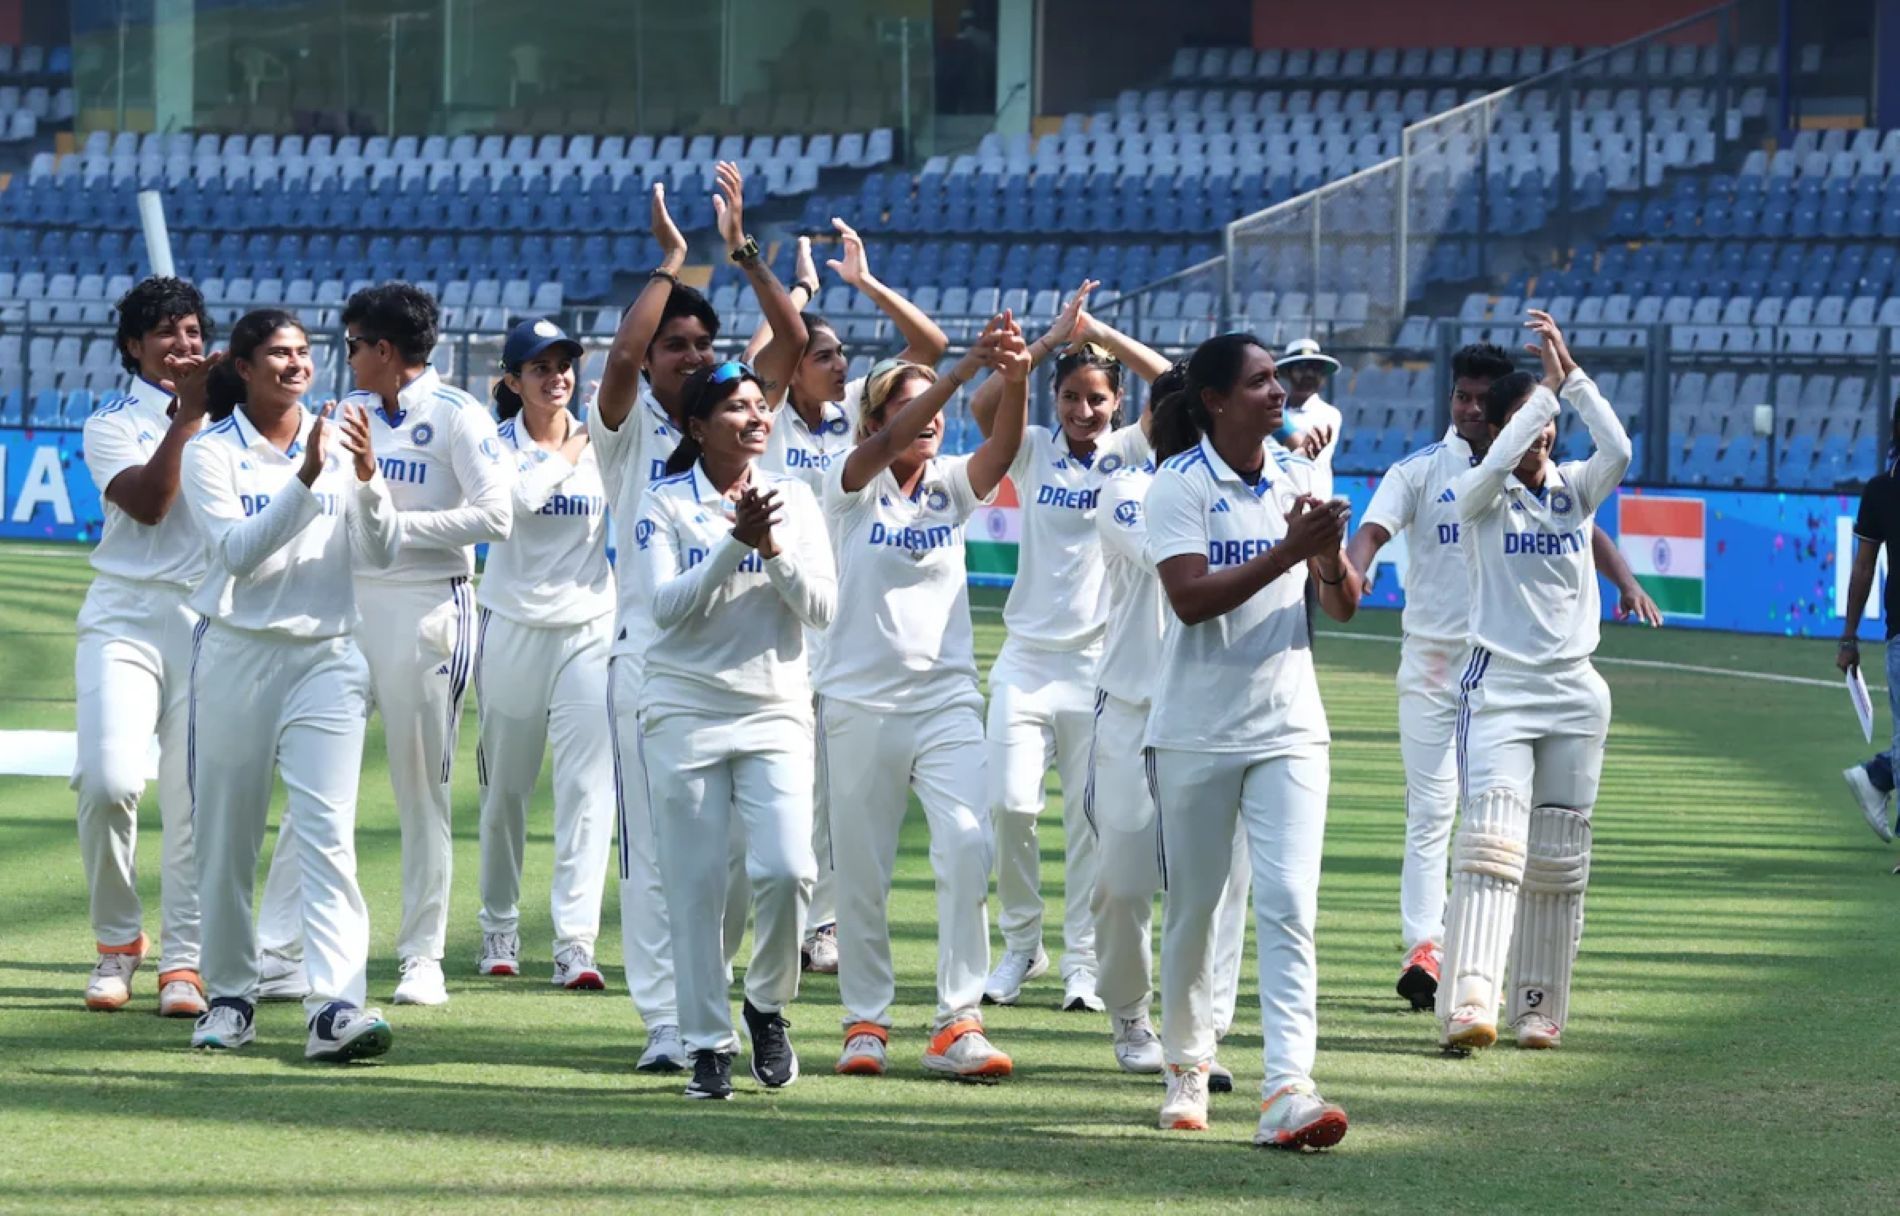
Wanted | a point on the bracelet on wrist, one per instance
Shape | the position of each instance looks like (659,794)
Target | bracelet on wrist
(810,289)
(661,272)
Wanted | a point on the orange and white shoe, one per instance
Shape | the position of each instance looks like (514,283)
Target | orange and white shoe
(181,994)
(1185,1107)
(1418,975)
(110,986)
(1536,1032)
(1296,1117)
(1469,1028)
(961,1050)
(863,1054)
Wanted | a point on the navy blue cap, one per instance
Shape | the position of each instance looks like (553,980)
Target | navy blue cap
(530,337)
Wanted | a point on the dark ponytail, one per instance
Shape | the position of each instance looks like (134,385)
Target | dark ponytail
(507,401)
(698,396)
(1180,417)
(224,387)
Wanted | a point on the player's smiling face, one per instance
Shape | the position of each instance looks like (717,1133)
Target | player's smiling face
(682,347)
(821,372)
(172,338)
(1467,412)
(926,445)
(279,371)
(1086,404)
(1255,406)
(737,427)
(545,381)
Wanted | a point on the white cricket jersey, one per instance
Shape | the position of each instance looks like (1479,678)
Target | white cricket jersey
(1137,619)
(1319,412)
(552,571)
(1415,498)
(444,467)
(280,553)
(1059,599)
(1242,681)
(122,434)
(631,459)
(730,625)
(901,639)
(806,452)
(1531,574)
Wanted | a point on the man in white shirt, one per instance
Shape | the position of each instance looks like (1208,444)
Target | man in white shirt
(1312,425)
(133,661)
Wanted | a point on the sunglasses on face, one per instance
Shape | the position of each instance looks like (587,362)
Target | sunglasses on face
(353,342)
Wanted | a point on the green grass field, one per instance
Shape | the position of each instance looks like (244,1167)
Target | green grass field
(1733,1046)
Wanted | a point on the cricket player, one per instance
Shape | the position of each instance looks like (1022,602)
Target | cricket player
(1876,524)
(1534,713)
(547,604)
(1237,729)
(1415,500)
(819,427)
(278,686)
(741,569)
(898,698)
(664,338)
(1118,805)
(1042,686)
(133,660)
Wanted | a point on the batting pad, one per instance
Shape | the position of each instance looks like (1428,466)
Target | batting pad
(1487,868)
(1550,913)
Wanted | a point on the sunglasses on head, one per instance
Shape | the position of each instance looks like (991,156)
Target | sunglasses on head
(731,369)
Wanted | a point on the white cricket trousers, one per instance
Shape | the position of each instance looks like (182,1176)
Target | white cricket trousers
(877,758)
(1121,812)
(1281,801)
(824,893)
(1042,713)
(1428,730)
(132,671)
(1538,731)
(702,771)
(535,687)
(646,939)
(262,706)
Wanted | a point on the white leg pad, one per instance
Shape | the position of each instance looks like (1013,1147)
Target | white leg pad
(1550,914)
(1487,868)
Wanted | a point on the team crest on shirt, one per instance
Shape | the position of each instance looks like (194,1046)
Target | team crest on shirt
(1110,463)
(1128,514)
(643,533)
(422,434)
(837,426)
(937,499)
(1559,501)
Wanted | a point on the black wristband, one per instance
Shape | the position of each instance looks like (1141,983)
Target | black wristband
(748,252)
(811,289)
(669,276)
(1330,582)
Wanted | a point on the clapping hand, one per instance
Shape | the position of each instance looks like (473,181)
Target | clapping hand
(356,441)
(1315,528)
(755,515)
(666,232)
(190,374)
(1550,349)
(853,268)
(313,453)
(729,205)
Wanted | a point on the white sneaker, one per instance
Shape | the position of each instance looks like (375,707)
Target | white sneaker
(223,1027)
(664,1051)
(421,983)
(1185,1109)
(1296,1117)
(501,954)
(1873,803)
(341,1032)
(109,986)
(280,977)
(821,951)
(182,995)
(1469,1028)
(1137,1048)
(1018,967)
(1537,1032)
(1078,994)
(574,970)
(961,1049)
(863,1054)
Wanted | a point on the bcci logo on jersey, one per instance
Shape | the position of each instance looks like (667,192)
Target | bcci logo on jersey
(422,434)
(937,499)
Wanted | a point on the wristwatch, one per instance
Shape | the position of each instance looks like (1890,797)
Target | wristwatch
(747,252)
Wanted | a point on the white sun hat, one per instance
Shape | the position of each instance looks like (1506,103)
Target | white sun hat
(1306,350)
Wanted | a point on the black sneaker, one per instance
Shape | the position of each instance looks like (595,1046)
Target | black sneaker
(774,1063)
(712,1075)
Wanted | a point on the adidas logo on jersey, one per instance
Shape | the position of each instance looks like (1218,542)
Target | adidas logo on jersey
(1219,507)
(1447,496)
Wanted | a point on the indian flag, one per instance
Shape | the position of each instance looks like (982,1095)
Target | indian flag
(993,533)
(1662,540)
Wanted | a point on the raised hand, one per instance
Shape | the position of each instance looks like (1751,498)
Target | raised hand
(1312,441)
(313,453)
(804,268)
(729,205)
(666,232)
(853,268)
(1072,324)
(190,374)
(982,353)
(356,441)
(1009,354)
(1550,349)
(756,513)
(1314,528)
